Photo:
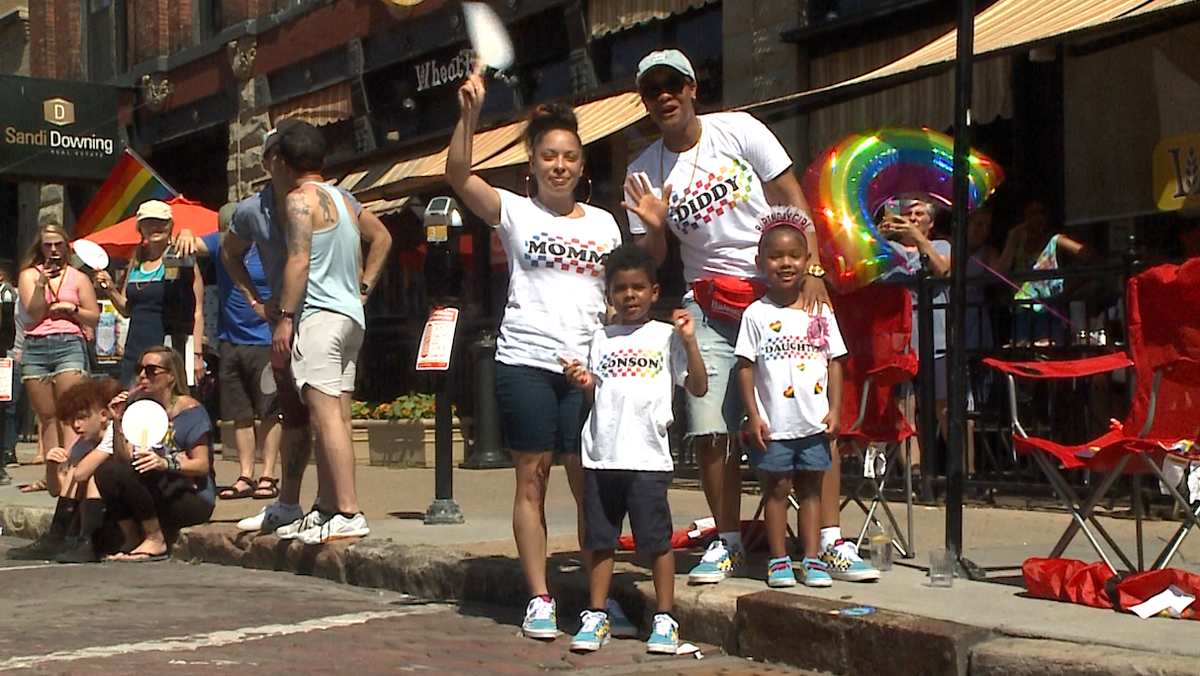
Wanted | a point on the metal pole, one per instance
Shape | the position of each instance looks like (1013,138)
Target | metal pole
(957,355)
(926,396)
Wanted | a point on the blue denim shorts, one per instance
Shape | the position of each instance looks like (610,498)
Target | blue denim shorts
(539,409)
(784,456)
(720,409)
(49,356)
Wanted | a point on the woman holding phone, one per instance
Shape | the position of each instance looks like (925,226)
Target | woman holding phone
(58,301)
(153,491)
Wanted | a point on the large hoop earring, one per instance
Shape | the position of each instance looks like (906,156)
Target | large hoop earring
(588,200)
(527,195)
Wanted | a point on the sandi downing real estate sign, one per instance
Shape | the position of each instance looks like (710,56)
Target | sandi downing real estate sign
(56,130)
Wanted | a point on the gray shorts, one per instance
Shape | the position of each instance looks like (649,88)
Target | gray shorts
(324,352)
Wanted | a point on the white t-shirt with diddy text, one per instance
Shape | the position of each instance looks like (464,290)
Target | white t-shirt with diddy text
(791,351)
(636,368)
(717,196)
(556,281)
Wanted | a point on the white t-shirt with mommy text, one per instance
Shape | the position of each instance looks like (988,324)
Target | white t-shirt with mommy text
(791,351)
(717,197)
(556,281)
(636,368)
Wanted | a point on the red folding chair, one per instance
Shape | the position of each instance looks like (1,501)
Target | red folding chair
(876,323)
(1164,343)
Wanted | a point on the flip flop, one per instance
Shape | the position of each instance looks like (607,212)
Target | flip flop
(230,493)
(141,557)
(268,492)
(39,485)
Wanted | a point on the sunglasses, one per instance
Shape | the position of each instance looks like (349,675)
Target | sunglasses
(150,370)
(672,84)
(53,245)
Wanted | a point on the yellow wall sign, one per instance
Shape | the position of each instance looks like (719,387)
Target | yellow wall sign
(1177,172)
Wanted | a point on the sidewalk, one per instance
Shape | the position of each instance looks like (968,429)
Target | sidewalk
(976,627)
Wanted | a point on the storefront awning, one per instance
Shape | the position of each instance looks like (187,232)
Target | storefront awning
(382,207)
(492,149)
(1006,25)
(326,106)
(611,16)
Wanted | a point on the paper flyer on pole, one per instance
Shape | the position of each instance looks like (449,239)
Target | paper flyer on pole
(437,340)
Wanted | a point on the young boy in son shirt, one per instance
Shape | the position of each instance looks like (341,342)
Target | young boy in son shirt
(632,369)
(789,374)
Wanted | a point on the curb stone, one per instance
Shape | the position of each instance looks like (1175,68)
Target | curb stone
(711,614)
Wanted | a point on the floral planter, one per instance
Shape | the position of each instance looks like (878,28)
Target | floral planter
(404,443)
(393,443)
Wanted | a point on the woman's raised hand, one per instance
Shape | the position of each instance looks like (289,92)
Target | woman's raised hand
(471,95)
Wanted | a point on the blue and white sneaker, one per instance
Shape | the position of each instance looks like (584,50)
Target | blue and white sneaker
(664,637)
(842,561)
(620,625)
(814,574)
(780,574)
(594,632)
(718,563)
(541,618)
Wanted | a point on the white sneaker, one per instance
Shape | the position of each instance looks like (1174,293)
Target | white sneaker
(270,517)
(289,531)
(337,528)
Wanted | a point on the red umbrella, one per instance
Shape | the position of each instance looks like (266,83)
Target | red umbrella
(120,239)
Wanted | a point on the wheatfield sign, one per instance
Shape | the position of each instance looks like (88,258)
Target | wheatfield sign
(57,130)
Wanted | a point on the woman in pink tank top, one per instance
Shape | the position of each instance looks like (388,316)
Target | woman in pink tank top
(60,302)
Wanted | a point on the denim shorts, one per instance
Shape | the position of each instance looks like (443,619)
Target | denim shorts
(539,409)
(720,409)
(49,356)
(784,456)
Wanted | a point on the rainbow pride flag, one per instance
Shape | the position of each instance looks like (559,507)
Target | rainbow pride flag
(130,183)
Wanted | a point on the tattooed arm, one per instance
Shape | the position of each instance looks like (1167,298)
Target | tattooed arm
(301,213)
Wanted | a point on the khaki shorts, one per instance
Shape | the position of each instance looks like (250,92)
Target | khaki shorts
(324,351)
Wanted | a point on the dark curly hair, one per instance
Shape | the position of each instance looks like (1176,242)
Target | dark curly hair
(548,117)
(87,396)
(630,256)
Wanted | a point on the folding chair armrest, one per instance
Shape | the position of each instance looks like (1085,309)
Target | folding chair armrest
(1061,368)
(862,404)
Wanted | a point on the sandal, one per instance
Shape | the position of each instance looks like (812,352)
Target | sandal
(232,492)
(39,485)
(269,491)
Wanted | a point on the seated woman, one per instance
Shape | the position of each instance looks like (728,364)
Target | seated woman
(170,485)
(70,476)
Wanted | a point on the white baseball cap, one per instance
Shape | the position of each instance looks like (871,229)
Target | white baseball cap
(671,58)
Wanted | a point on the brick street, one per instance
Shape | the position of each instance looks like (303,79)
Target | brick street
(180,618)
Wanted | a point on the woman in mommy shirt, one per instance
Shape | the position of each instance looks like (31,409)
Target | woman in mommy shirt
(556,248)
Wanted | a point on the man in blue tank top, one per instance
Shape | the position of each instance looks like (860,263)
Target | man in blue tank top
(321,324)
(260,219)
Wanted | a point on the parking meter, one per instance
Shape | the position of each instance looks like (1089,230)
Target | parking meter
(443,272)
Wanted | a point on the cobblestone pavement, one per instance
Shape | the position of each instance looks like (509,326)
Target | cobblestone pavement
(179,618)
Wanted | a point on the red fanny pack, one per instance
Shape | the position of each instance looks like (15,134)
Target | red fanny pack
(727,298)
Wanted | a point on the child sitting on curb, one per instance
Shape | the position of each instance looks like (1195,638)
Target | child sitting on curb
(633,368)
(70,475)
(789,374)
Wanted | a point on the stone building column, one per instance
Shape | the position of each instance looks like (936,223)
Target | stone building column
(51,198)
(245,168)
(758,65)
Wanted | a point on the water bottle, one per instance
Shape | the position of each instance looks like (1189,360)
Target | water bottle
(106,335)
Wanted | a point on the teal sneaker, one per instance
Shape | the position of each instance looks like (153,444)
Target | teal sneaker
(541,618)
(593,633)
(842,561)
(780,574)
(814,574)
(664,638)
(717,564)
(618,622)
